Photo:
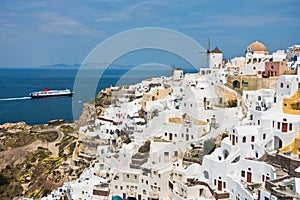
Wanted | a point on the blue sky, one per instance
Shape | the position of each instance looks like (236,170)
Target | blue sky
(36,32)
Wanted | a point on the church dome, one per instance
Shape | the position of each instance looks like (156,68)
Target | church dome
(257,47)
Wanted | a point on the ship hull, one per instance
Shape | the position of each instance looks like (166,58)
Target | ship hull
(53,95)
(50,93)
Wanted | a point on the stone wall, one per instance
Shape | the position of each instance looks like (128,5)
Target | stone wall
(251,83)
(263,83)
(286,163)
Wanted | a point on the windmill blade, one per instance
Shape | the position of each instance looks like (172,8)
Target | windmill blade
(207,52)
(208,45)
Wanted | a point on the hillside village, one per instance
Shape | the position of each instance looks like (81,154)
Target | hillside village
(230,131)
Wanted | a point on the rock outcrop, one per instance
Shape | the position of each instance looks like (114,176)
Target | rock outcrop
(88,114)
(14,127)
(96,108)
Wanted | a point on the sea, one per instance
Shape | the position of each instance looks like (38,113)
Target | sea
(17,83)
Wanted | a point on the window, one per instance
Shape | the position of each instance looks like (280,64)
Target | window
(127,175)
(200,192)
(237,159)
(244,139)
(258,122)
(166,133)
(273,124)
(278,125)
(245,84)
(116,187)
(215,182)
(175,153)
(290,126)
(224,184)
(284,119)
(259,98)
(135,176)
(264,136)
(121,187)
(243,173)
(252,138)
(281,85)
(144,191)
(146,182)
(236,139)
(287,86)
(206,175)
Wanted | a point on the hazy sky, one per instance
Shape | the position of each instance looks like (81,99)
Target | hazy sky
(57,31)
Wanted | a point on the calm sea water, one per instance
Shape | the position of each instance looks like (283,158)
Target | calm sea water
(16,84)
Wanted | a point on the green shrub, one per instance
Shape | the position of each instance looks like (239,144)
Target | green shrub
(209,146)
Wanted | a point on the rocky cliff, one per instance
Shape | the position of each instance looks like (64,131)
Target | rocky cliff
(96,108)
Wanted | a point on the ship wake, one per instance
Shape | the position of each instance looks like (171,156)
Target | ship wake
(15,98)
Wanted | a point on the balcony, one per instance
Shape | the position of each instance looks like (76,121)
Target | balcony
(131,193)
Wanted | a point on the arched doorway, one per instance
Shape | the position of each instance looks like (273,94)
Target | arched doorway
(236,84)
(277,143)
(225,153)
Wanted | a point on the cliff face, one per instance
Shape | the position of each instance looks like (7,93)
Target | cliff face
(92,110)
(88,114)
